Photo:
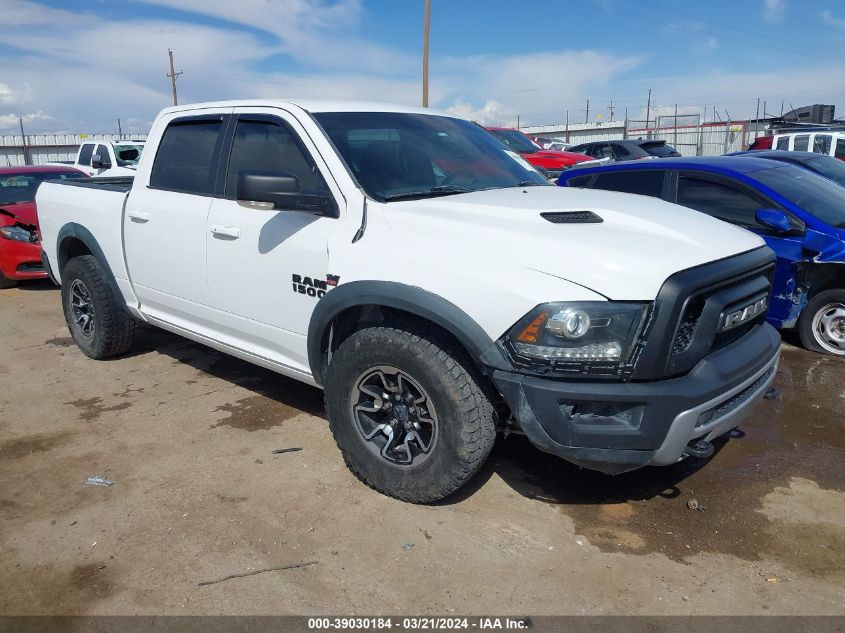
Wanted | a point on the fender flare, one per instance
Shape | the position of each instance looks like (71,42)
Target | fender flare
(483,350)
(79,232)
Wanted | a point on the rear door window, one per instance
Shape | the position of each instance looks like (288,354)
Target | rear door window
(718,199)
(840,148)
(640,181)
(579,181)
(601,150)
(85,154)
(187,155)
(783,143)
(801,143)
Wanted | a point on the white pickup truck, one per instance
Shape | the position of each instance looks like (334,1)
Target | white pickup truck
(109,159)
(429,280)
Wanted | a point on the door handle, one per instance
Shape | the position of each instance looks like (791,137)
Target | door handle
(138,216)
(225,231)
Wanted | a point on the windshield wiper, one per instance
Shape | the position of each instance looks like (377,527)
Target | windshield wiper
(528,183)
(440,190)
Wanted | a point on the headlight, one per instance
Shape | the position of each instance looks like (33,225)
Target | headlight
(579,333)
(16,234)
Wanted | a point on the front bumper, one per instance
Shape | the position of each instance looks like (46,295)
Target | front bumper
(21,260)
(617,427)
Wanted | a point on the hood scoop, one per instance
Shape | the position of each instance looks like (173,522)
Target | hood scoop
(571,217)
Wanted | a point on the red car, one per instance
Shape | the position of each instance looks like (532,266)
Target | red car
(20,251)
(553,162)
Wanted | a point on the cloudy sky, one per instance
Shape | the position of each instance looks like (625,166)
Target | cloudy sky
(77,66)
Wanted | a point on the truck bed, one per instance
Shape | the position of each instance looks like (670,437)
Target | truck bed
(93,206)
(121,184)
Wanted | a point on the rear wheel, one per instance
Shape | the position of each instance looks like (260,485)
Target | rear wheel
(822,323)
(99,324)
(408,412)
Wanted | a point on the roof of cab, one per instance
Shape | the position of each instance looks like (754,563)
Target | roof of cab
(310,105)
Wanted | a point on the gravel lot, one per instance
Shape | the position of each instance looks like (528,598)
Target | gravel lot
(186,434)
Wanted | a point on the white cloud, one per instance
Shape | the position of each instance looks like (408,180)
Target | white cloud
(773,10)
(491,113)
(13,120)
(830,19)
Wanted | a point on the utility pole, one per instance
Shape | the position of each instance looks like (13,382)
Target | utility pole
(587,115)
(611,109)
(647,112)
(517,121)
(23,140)
(567,126)
(173,75)
(119,129)
(426,24)
(675,121)
(757,116)
(625,129)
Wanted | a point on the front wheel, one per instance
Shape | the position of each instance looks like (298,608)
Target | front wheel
(99,324)
(408,412)
(822,323)
(5,282)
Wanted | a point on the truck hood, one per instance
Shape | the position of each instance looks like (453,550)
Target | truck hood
(639,243)
(551,158)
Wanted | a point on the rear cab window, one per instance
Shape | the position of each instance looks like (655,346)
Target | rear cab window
(801,143)
(782,143)
(821,143)
(840,149)
(186,160)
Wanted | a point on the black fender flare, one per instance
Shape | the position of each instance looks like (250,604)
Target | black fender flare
(427,305)
(79,232)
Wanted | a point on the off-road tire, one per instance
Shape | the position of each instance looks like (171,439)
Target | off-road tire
(114,328)
(805,321)
(5,282)
(466,417)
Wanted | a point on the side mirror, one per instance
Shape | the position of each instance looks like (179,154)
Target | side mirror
(98,161)
(774,219)
(280,190)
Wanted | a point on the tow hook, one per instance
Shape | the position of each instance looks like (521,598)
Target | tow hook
(700,449)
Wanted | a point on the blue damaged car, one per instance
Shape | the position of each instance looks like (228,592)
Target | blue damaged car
(799,213)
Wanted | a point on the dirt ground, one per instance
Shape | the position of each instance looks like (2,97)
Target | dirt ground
(186,434)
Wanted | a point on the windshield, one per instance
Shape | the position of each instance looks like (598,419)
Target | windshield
(818,196)
(516,140)
(828,167)
(400,156)
(128,155)
(22,187)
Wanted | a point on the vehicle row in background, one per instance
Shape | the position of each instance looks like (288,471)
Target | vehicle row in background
(553,162)
(20,251)
(799,213)
(622,150)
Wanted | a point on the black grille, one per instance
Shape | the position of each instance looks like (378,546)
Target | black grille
(571,217)
(695,309)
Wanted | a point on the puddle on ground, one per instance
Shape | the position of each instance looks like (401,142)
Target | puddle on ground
(61,341)
(91,408)
(797,438)
(256,413)
(31,444)
(45,589)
